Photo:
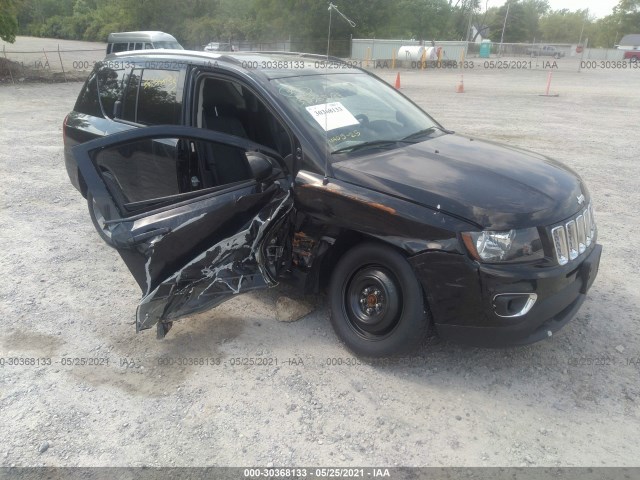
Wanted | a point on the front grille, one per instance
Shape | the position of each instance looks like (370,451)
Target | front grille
(571,239)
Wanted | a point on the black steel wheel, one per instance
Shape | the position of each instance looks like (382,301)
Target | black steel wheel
(377,306)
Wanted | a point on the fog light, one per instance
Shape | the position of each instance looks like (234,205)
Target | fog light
(510,305)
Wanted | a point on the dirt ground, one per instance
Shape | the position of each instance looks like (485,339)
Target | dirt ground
(572,400)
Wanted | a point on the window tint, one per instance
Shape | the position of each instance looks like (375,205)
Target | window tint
(88,102)
(140,171)
(110,85)
(131,96)
(230,107)
(142,174)
(158,101)
(119,47)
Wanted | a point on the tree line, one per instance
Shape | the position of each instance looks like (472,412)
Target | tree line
(305,22)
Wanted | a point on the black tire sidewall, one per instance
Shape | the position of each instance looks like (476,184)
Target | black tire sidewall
(413,324)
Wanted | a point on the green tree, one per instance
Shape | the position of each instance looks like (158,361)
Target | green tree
(533,9)
(516,27)
(9,20)
(564,26)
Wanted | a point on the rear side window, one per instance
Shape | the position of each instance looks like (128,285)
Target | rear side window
(88,102)
(110,85)
(158,101)
(152,97)
(130,99)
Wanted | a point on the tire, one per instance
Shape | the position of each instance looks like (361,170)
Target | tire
(97,218)
(377,305)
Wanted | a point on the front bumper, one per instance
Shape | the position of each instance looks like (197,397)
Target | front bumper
(461,297)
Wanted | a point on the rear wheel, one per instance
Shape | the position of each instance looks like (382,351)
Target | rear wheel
(377,306)
(98,219)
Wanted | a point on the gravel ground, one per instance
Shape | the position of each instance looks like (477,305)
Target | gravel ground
(572,400)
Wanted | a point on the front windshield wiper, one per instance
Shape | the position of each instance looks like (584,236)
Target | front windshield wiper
(372,143)
(426,131)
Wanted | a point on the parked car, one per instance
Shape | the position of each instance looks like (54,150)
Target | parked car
(218,47)
(545,51)
(214,175)
(631,45)
(125,41)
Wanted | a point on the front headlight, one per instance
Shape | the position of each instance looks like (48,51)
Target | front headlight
(507,246)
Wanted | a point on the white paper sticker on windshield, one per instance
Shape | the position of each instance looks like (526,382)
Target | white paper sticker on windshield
(332,115)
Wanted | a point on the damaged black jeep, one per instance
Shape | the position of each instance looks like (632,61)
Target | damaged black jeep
(217,174)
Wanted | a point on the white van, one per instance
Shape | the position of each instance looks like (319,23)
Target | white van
(123,41)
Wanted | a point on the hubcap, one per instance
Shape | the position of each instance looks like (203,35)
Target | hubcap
(372,300)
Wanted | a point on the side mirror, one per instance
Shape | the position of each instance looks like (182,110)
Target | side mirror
(261,166)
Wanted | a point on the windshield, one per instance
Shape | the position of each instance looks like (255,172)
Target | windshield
(354,111)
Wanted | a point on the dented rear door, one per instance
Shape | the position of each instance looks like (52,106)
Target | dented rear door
(188,217)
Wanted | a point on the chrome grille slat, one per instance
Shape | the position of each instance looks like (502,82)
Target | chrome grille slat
(572,239)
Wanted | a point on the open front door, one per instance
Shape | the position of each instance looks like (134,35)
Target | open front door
(197,216)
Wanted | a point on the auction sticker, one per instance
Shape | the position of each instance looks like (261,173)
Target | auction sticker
(332,115)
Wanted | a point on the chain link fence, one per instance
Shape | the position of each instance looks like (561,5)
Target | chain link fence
(55,64)
(47,65)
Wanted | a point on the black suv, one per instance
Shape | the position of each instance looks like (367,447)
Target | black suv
(213,175)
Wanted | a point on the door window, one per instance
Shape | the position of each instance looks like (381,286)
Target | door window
(143,174)
(158,101)
(230,107)
(151,97)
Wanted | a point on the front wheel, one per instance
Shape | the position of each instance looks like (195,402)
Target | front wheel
(377,306)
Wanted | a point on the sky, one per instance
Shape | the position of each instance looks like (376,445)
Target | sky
(597,8)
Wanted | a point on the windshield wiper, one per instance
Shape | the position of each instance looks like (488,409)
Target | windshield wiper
(372,143)
(426,131)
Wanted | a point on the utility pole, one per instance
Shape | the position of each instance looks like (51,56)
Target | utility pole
(504,25)
(471,10)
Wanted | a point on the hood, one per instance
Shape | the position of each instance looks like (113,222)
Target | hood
(495,186)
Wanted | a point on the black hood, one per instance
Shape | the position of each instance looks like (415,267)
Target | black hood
(492,185)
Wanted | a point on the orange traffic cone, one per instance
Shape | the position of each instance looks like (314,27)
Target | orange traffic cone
(460,87)
(398,81)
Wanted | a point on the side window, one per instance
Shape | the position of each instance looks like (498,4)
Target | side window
(119,47)
(148,46)
(138,46)
(144,174)
(110,85)
(158,101)
(130,98)
(140,171)
(88,102)
(230,107)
